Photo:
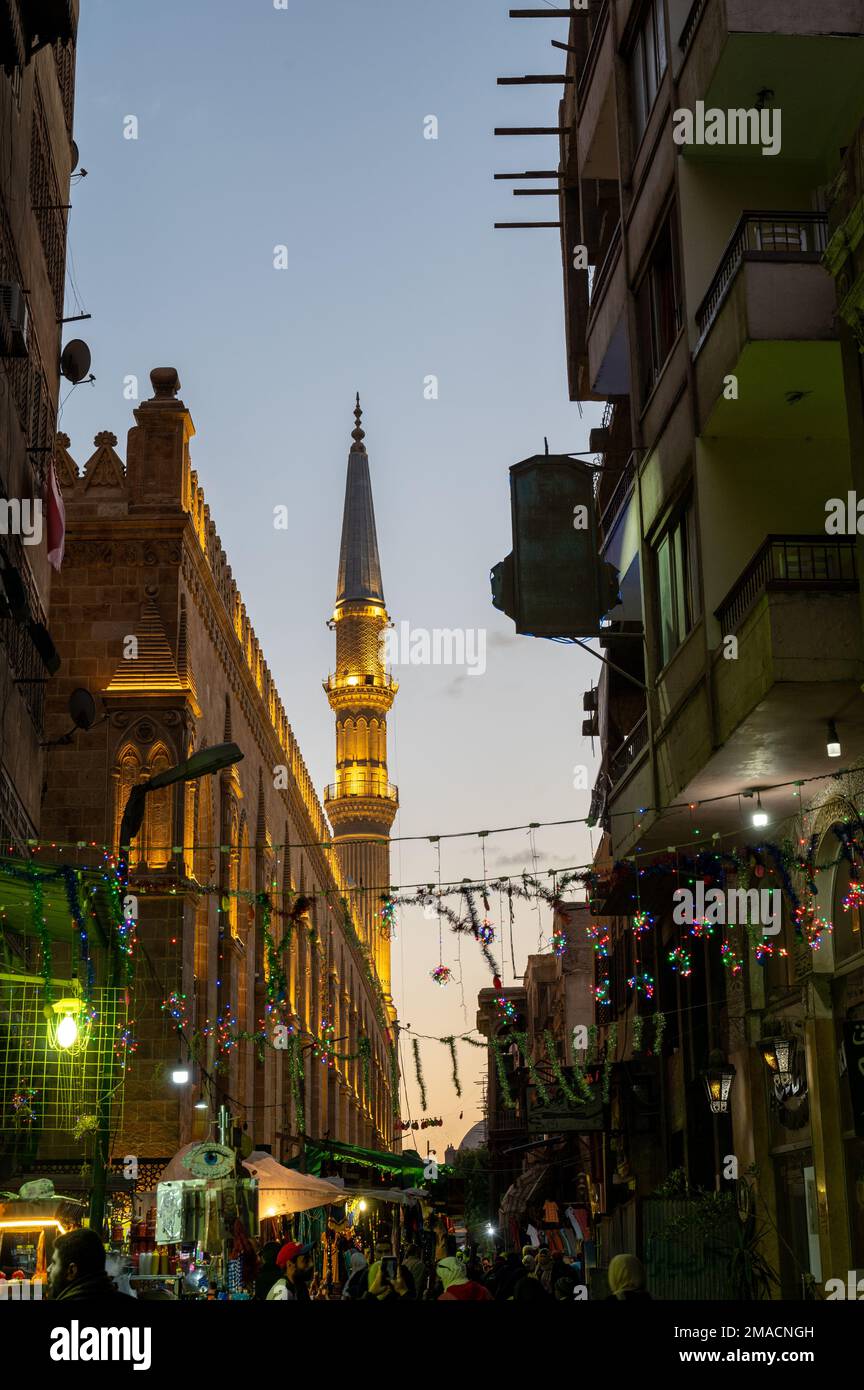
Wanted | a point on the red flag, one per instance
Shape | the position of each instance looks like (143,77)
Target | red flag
(56,519)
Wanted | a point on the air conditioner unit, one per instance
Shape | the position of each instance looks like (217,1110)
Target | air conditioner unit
(13,320)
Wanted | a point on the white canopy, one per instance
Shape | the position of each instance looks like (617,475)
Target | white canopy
(282,1191)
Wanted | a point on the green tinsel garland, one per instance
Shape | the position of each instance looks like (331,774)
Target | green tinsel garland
(552,1053)
(295,1068)
(582,1081)
(418,1070)
(503,1084)
(591,1054)
(364,1052)
(659,1030)
(637,1033)
(394,1079)
(611,1049)
(451,1043)
(522,1040)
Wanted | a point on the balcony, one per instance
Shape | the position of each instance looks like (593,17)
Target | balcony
(794,612)
(768,319)
(732,49)
(628,752)
(597,141)
(608,362)
(793,564)
(360,786)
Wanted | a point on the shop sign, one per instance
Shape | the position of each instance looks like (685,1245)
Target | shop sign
(564,1116)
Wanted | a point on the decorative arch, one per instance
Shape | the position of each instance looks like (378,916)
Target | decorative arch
(158,815)
(129,771)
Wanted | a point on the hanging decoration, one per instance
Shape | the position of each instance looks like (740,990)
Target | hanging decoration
(23,1105)
(295,1071)
(418,1072)
(600,938)
(404,1125)
(679,959)
(503,1083)
(176,1006)
(608,1061)
(536,1079)
(810,926)
(388,917)
(40,928)
(642,983)
(557,1071)
(702,928)
(637,1032)
(659,1030)
(442,975)
(854,897)
(642,922)
(731,959)
(454,1063)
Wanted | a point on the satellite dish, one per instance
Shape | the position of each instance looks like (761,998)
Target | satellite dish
(82,709)
(75,362)
(75,157)
(210,1161)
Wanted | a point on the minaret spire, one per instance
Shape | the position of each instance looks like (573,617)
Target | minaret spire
(358,434)
(362,803)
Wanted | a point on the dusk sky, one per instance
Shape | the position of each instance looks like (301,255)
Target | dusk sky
(305,127)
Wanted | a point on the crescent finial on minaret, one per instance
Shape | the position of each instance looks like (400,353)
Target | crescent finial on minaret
(358,434)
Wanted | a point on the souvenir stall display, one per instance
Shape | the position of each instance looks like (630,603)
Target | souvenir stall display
(30,1222)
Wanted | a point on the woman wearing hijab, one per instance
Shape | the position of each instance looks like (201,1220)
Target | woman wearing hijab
(458,1288)
(358,1276)
(626,1279)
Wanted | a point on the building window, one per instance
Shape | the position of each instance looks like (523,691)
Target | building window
(648,64)
(658,306)
(676,584)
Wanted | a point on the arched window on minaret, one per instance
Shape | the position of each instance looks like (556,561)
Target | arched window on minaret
(362,743)
(128,773)
(158,829)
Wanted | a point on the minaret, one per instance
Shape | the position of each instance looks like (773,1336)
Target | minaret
(362,803)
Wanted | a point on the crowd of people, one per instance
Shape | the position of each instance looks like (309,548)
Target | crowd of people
(286,1272)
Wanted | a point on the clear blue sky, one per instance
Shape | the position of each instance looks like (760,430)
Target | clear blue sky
(304,127)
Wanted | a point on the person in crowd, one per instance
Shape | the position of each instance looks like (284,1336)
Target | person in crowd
(357,1283)
(563,1272)
(268,1270)
(295,1263)
(458,1288)
(529,1289)
(386,1289)
(626,1279)
(543,1267)
(508,1276)
(77,1269)
(415,1266)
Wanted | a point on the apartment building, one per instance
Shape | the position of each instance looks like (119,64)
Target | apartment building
(710,195)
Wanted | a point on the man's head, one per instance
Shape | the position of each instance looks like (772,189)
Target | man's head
(294,1261)
(78,1255)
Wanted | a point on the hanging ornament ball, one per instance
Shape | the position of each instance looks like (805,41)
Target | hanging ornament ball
(441,975)
(759,871)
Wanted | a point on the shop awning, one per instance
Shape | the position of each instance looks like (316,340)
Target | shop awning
(407,1165)
(520,1193)
(58,894)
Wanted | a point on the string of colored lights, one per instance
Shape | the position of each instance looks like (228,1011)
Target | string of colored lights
(763,788)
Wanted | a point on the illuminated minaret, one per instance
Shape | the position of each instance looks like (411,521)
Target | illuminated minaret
(362,803)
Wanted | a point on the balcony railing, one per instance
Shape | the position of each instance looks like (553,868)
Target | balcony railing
(625,756)
(346,682)
(763,236)
(625,481)
(691,24)
(601,274)
(790,563)
(361,786)
(591,59)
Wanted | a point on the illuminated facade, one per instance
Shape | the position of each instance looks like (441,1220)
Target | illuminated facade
(150,620)
(362,803)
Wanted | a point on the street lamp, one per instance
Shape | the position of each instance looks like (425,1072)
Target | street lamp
(781,1058)
(718,1077)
